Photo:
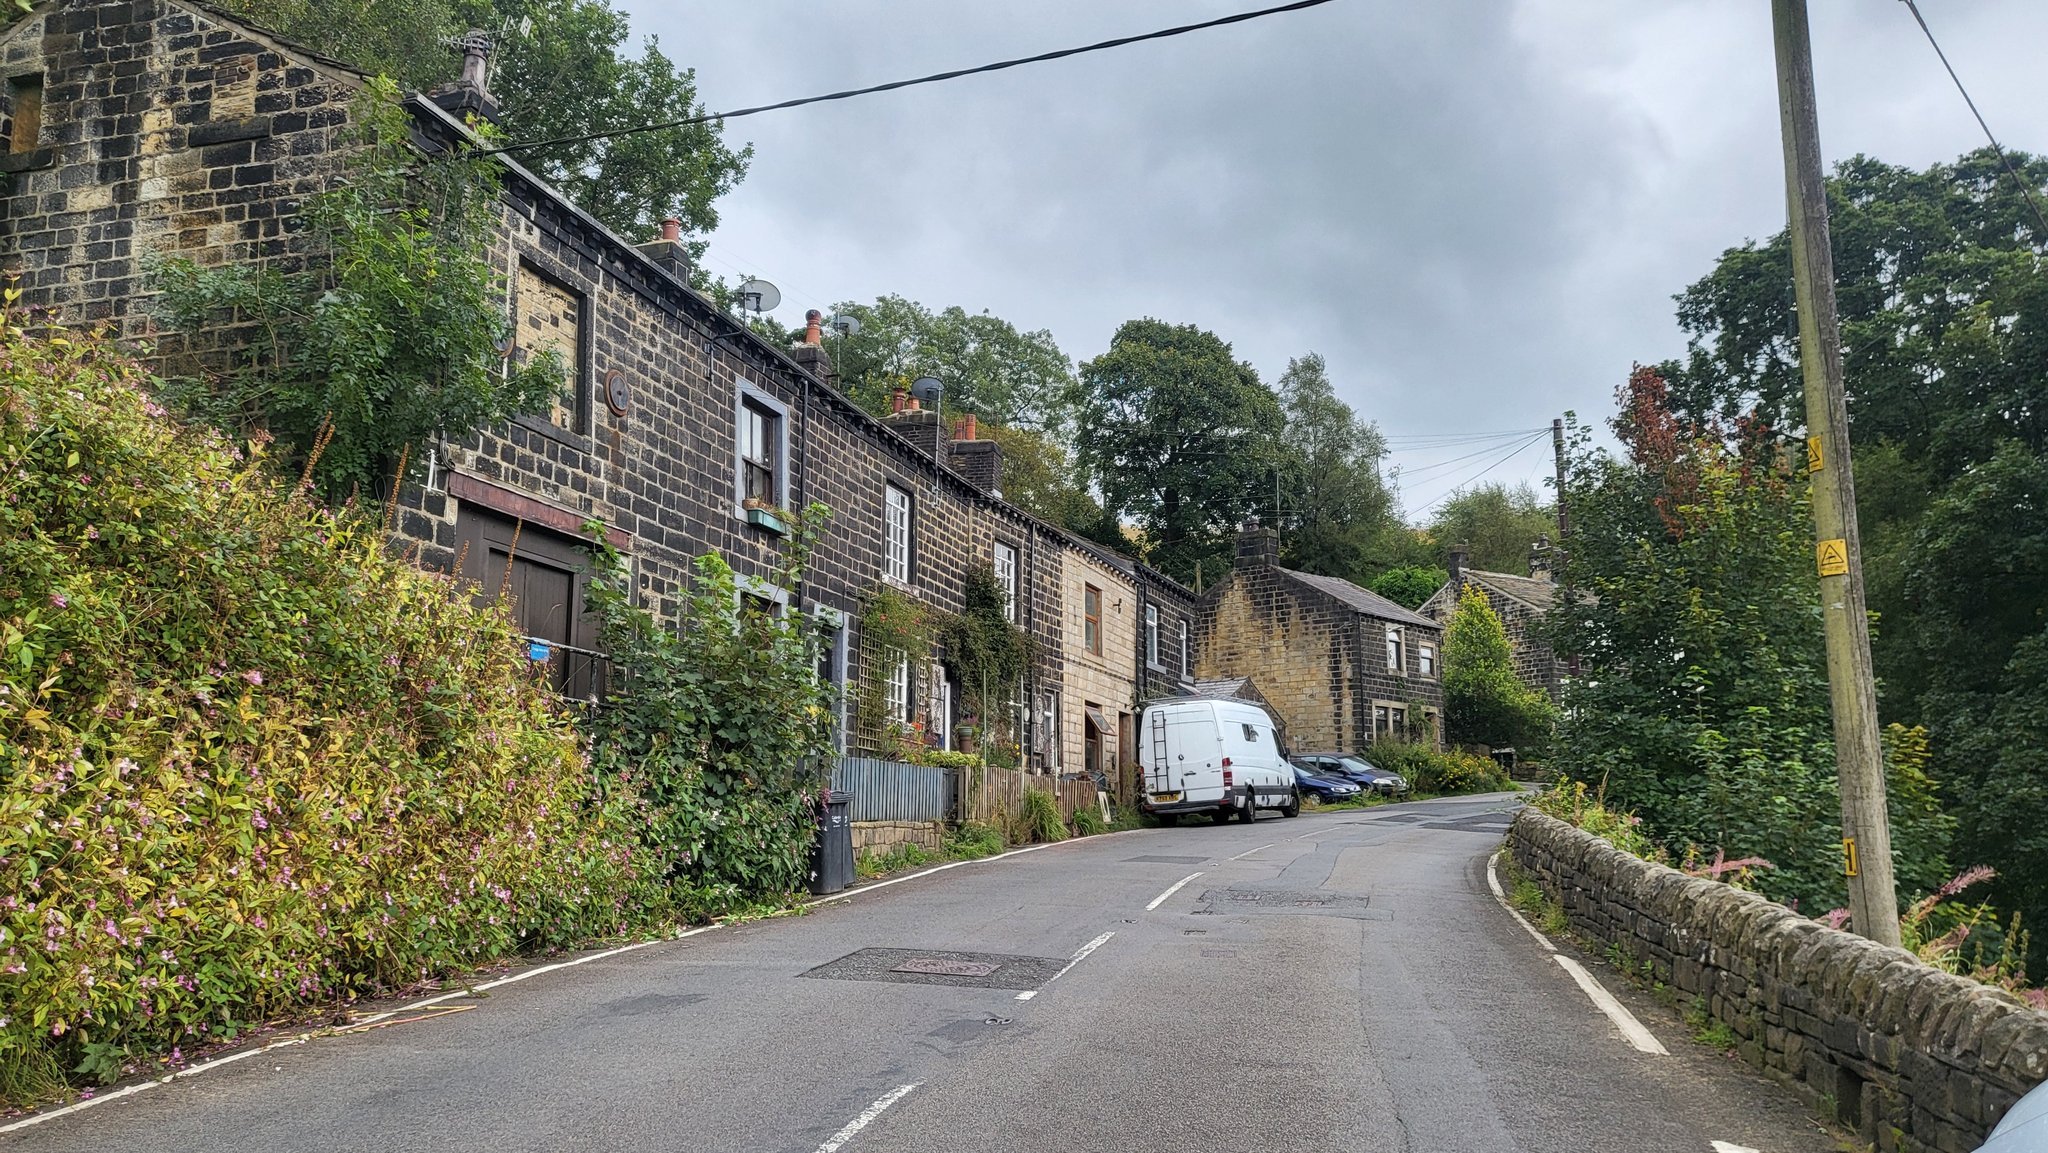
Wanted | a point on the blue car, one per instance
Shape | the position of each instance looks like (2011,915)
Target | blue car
(1325,789)
(1354,768)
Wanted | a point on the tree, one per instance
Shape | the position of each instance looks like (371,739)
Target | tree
(1944,306)
(1497,522)
(1485,703)
(990,368)
(1180,437)
(1410,585)
(560,69)
(1334,507)
(1039,477)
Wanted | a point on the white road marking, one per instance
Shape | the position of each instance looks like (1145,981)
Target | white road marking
(1493,882)
(1170,891)
(1079,957)
(130,1090)
(852,893)
(1243,855)
(1731,1147)
(1624,1020)
(867,1117)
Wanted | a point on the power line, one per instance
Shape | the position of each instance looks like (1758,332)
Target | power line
(893,85)
(2025,189)
(1518,450)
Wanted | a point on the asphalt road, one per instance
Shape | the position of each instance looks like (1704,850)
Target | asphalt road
(1342,981)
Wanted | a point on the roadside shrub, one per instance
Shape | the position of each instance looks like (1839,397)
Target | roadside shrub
(1430,771)
(974,840)
(1039,818)
(249,761)
(1088,822)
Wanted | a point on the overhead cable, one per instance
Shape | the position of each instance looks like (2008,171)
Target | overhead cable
(2026,189)
(893,85)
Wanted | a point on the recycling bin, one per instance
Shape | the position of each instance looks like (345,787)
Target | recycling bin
(832,852)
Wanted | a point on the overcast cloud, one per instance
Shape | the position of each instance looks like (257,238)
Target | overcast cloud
(1477,210)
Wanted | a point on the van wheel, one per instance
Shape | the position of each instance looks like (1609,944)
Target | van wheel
(1251,808)
(1293,806)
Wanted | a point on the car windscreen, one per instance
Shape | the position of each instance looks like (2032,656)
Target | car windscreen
(1361,765)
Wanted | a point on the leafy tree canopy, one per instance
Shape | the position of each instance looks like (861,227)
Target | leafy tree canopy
(1336,512)
(560,68)
(1485,703)
(990,368)
(1180,437)
(1410,585)
(1497,522)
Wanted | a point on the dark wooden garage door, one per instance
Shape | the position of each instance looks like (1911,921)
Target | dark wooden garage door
(550,573)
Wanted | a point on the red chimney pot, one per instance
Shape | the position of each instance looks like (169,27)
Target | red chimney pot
(671,229)
(813,330)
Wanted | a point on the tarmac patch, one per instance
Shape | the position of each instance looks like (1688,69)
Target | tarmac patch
(1284,902)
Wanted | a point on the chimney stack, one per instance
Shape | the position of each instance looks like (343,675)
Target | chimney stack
(979,461)
(809,352)
(470,94)
(1539,560)
(1257,545)
(668,250)
(1458,554)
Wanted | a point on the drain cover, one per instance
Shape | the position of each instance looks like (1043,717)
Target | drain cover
(940,967)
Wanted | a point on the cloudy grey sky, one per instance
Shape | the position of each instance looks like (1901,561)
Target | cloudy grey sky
(1477,210)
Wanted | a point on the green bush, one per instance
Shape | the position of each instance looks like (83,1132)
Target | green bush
(1039,819)
(1430,771)
(974,840)
(249,761)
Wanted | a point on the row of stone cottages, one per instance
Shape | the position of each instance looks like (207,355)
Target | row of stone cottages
(163,126)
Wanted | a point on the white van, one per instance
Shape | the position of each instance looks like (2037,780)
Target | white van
(1211,756)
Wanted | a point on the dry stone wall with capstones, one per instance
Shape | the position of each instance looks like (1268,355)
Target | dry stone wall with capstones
(1913,1058)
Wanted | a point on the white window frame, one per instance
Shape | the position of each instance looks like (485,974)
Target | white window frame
(744,586)
(1397,650)
(1152,636)
(899,519)
(1003,558)
(1050,731)
(896,701)
(1187,658)
(745,395)
(1425,660)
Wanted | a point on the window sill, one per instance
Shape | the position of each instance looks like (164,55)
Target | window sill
(900,586)
(555,432)
(768,518)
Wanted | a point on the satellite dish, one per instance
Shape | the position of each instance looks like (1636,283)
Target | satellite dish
(846,325)
(759,296)
(927,388)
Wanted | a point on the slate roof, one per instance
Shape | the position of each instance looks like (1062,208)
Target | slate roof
(1363,600)
(1535,592)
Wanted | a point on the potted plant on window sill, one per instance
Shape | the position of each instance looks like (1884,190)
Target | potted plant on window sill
(765,514)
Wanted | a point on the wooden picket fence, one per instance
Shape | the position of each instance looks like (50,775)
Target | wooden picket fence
(985,793)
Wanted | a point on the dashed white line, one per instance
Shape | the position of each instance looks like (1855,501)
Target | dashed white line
(1170,891)
(1732,1147)
(1624,1020)
(1249,852)
(867,1116)
(1493,882)
(1078,957)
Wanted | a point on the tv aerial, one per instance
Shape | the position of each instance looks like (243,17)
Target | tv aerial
(846,324)
(758,296)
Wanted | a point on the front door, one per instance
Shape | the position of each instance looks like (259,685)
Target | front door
(543,576)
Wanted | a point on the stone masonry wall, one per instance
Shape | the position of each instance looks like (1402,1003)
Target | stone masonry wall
(1912,1057)
(878,837)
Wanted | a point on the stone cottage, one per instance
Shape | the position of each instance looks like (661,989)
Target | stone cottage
(145,127)
(1521,602)
(1341,665)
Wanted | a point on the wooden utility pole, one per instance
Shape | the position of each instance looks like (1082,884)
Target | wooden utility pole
(1838,552)
(1557,447)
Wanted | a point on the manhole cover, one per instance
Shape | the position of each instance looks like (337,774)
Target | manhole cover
(1160,860)
(1236,902)
(940,967)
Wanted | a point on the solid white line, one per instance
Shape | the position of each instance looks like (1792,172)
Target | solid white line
(1079,957)
(1624,1020)
(866,1117)
(852,893)
(1493,882)
(1170,891)
(117,1094)
(1249,852)
(487,986)
(1731,1147)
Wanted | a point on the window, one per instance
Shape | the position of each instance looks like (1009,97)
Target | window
(1425,660)
(896,549)
(1091,618)
(548,318)
(1251,733)
(1152,635)
(25,109)
(1006,578)
(1399,719)
(1052,732)
(1396,655)
(760,454)
(1187,656)
(896,693)
(1380,720)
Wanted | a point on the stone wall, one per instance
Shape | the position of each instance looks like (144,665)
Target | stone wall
(1912,1057)
(878,837)
(1104,680)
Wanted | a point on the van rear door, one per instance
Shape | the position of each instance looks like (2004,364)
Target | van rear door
(1182,753)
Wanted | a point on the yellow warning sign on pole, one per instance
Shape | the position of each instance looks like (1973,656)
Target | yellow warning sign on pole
(1848,856)
(1831,557)
(1814,460)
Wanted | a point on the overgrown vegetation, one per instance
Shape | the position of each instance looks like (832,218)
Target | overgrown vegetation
(1434,772)
(249,761)
(385,334)
(1038,819)
(1485,703)
(988,656)
(718,732)
(893,628)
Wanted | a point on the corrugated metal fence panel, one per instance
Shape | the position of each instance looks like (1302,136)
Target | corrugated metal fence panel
(894,791)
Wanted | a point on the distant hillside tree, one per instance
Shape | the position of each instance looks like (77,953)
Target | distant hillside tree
(1497,522)
(1485,703)
(1410,585)
(1333,506)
